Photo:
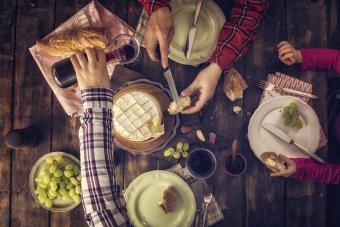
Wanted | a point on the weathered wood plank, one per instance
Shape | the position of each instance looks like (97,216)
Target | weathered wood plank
(264,195)
(32,107)
(306,27)
(7,29)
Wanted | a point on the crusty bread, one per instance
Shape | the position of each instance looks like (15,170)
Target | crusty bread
(184,101)
(273,161)
(234,85)
(168,199)
(65,44)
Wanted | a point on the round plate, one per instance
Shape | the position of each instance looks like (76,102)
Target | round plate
(58,205)
(271,112)
(209,24)
(143,194)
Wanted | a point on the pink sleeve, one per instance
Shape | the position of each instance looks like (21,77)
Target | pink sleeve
(308,169)
(321,59)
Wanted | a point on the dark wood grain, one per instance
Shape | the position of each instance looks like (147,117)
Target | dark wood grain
(32,106)
(264,195)
(306,27)
(7,29)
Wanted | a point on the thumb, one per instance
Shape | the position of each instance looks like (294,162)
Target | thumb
(189,90)
(284,158)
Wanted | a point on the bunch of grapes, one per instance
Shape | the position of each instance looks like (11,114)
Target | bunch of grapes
(58,178)
(291,116)
(181,150)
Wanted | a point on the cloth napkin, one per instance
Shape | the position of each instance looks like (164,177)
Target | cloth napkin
(284,81)
(214,212)
(93,15)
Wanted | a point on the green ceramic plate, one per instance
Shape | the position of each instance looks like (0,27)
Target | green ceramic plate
(209,24)
(145,191)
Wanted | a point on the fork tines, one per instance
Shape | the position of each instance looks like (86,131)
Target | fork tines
(261,84)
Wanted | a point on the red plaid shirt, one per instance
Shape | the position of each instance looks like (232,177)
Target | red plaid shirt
(236,33)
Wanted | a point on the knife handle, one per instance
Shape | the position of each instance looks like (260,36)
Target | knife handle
(310,154)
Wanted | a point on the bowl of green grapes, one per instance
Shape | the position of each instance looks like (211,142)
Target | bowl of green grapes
(55,182)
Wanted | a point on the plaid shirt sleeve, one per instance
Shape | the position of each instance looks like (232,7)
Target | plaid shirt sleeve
(152,5)
(102,198)
(237,32)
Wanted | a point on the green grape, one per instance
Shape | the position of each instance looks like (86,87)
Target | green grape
(48,203)
(185,154)
(39,179)
(47,179)
(68,173)
(58,158)
(79,178)
(74,181)
(62,191)
(185,147)
(78,189)
(69,186)
(53,168)
(56,179)
(179,146)
(49,195)
(44,172)
(288,121)
(69,167)
(176,155)
(76,198)
(53,193)
(72,192)
(53,186)
(39,190)
(49,160)
(76,170)
(58,173)
(62,184)
(66,197)
(168,152)
(41,199)
(42,185)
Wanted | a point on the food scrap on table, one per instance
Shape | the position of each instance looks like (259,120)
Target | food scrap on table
(200,135)
(237,109)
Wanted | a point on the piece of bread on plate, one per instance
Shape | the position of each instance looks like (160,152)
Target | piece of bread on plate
(66,44)
(168,199)
(273,161)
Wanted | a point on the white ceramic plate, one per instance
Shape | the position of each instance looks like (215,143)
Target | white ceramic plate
(209,24)
(271,112)
(146,190)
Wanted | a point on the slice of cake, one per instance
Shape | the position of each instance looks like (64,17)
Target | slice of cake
(168,200)
(137,116)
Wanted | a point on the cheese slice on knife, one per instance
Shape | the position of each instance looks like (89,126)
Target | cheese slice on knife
(137,116)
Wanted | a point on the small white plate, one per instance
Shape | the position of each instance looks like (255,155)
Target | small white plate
(271,112)
(209,25)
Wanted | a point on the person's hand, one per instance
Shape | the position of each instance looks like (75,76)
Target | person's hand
(159,31)
(90,68)
(203,86)
(288,54)
(291,168)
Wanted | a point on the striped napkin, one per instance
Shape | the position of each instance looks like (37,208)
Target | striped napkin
(284,81)
(214,212)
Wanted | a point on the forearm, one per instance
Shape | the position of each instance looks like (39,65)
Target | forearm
(308,169)
(320,59)
(102,201)
(238,32)
(152,5)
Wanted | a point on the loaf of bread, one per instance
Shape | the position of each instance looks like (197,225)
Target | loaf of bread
(234,85)
(65,44)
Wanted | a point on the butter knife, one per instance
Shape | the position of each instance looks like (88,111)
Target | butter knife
(192,31)
(170,80)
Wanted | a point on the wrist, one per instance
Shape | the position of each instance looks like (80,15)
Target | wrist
(215,70)
(97,97)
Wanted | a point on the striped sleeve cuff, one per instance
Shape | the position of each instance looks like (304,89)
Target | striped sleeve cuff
(97,97)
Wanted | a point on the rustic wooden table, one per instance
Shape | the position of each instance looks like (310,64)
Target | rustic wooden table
(253,200)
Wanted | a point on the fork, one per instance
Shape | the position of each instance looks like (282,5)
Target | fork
(268,86)
(207,192)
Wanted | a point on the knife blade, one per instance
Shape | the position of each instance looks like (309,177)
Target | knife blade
(170,80)
(288,139)
(192,31)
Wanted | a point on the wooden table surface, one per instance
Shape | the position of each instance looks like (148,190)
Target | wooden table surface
(253,200)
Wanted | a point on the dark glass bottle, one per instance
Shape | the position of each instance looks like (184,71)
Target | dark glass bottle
(21,138)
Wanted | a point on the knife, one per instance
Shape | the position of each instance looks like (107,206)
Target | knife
(283,136)
(168,76)
(192,31)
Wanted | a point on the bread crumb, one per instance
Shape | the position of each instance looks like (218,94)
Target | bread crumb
(237,109)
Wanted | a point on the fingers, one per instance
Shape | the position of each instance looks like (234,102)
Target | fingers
(284,173)
(100,55)
(285,50)
(91,55)
(282,43)
(81,58)
(75,63)
(198,105)
(151,45)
